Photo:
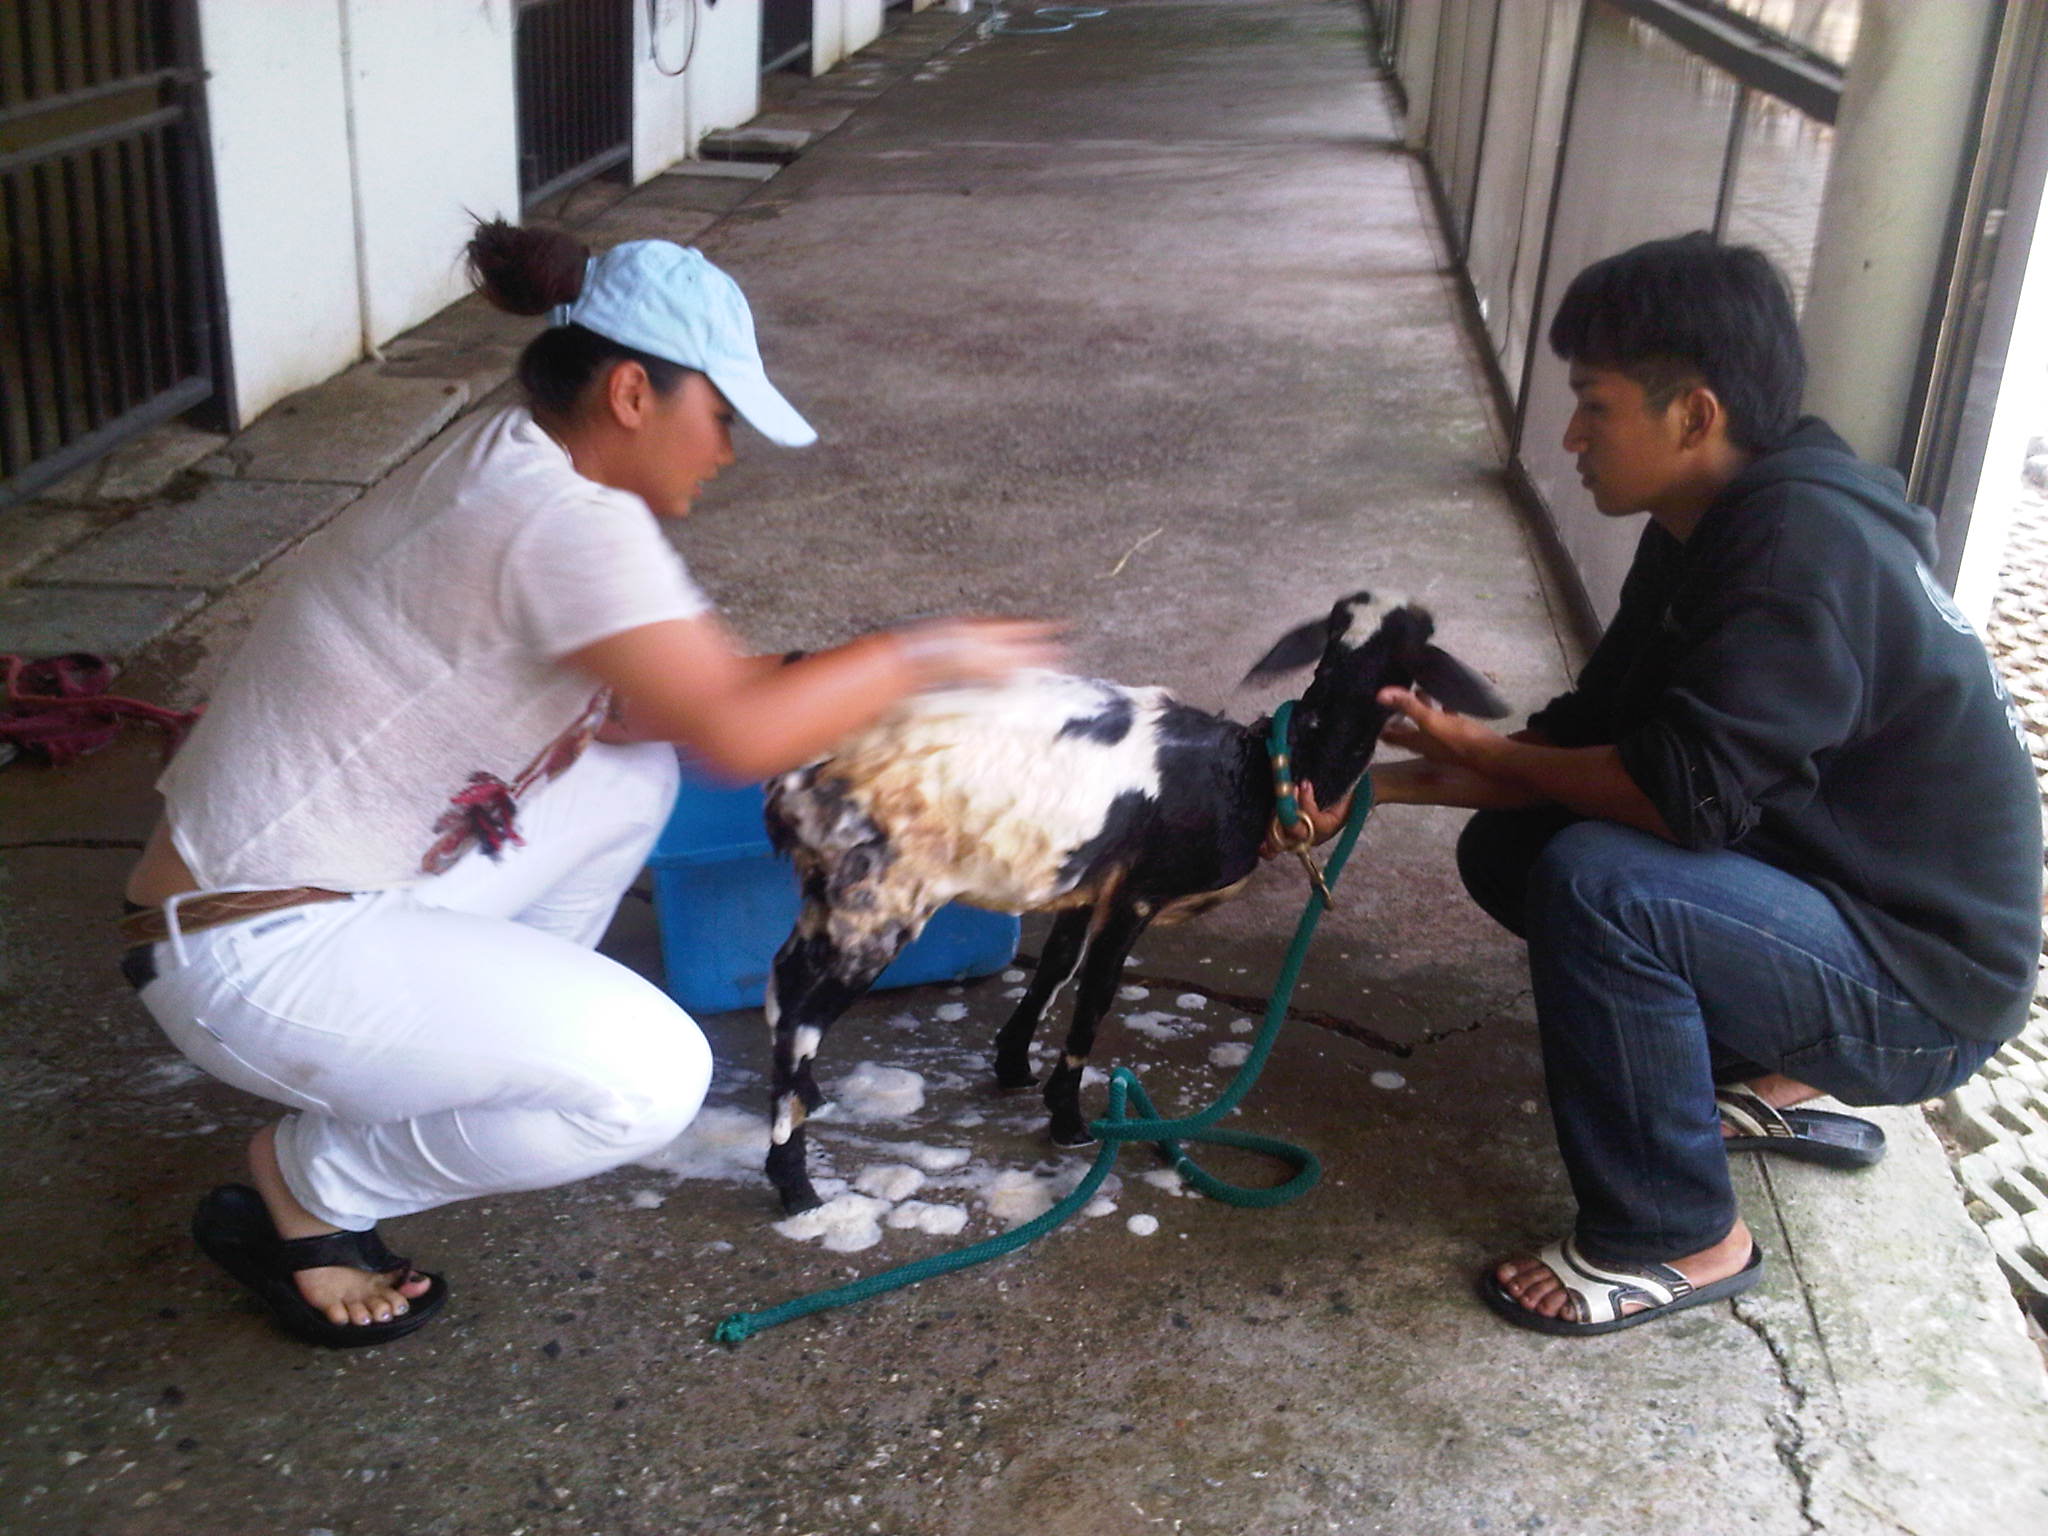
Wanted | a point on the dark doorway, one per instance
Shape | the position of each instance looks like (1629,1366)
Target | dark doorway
(785,35)
(109,315)
(575,93)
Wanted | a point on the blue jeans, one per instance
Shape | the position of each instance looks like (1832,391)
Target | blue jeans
(1658,972)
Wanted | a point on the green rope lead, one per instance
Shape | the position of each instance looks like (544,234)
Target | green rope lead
(1114,1129)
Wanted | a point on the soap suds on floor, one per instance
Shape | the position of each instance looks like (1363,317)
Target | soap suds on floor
(921,1216)
(889,1181)
(1160,1026)
(874,1092)
(848,1223)
(721,1143)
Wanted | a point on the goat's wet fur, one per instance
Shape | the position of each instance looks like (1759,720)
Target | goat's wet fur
(1115,807)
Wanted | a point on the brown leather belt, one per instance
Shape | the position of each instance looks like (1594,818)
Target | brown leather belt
(198,913)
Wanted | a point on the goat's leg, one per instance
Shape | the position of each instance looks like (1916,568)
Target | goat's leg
(822,969)
(1064,946)
(1101,973)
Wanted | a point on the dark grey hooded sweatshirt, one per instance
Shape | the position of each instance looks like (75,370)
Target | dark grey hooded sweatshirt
(1792,683)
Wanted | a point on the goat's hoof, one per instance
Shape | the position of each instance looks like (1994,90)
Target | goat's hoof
(1071,1137)
(1011,1082)
(796,1201)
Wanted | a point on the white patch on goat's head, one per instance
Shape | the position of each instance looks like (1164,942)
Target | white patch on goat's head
(1362,616)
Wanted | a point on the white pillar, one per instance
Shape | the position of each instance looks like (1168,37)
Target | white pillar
(1421,21)
(2021,410)
(1901,139)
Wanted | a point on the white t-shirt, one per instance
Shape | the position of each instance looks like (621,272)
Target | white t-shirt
(404,686)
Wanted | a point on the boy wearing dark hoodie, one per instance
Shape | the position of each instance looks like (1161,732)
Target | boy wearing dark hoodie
(1782,839)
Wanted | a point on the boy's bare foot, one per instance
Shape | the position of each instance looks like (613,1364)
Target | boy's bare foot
(1533,1285)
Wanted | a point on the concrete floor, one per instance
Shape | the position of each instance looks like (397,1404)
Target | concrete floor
(1162,287)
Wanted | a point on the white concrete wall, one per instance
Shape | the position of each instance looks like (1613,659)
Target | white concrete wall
(1420,23)
(278,125)
(352,139)
(435,130)
(841,27)
(675,105)
(349,138)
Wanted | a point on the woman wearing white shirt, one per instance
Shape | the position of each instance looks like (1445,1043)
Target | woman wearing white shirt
(391,845)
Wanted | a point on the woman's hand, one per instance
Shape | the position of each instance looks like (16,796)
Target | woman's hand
(946,652)
(746,717)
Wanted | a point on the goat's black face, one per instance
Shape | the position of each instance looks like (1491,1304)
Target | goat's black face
(1365,645)
(1368,646)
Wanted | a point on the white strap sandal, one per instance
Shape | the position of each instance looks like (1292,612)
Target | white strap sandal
(1600,1292)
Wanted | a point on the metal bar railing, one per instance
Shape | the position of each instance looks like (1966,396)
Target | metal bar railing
(1756,57)
(106,325)
(574,75)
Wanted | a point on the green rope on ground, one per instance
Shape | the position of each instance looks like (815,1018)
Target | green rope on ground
(1114,1129)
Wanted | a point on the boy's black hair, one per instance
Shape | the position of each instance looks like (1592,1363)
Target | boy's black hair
(1669,312)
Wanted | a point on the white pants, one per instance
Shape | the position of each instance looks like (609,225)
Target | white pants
(460,1037)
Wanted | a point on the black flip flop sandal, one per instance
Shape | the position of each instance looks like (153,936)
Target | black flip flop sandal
(1600,1291)
(1811,1135)
(233,1228)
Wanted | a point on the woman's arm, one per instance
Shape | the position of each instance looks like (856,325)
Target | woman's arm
(686,681)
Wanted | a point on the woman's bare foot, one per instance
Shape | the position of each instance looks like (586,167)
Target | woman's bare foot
(1532,1284)
(344,1294)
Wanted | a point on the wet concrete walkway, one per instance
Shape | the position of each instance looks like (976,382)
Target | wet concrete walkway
(1144,325)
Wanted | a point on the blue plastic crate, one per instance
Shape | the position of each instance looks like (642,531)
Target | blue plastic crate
(725,903)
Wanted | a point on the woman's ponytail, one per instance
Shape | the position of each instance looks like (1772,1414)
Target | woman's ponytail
(526,271)
(530,272)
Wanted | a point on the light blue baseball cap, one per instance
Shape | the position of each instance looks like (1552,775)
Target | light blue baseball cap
(668,301)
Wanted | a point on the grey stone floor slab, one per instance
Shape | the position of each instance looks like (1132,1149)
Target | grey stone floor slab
(46,621)
(139,469)
(355,428)
(32,532)
(724,170)
(220,535)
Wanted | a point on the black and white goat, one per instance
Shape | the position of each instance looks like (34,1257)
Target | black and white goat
(1116,807)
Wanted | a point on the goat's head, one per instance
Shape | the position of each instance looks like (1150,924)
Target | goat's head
(1358,648)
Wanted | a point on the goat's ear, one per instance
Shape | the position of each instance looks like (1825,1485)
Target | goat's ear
(1456,686)
(1294,650)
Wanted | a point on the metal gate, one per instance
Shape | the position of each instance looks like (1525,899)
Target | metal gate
(785,35)
(108,321)
(575,92)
